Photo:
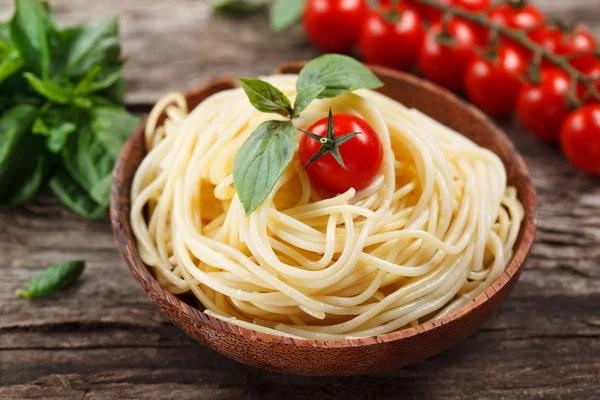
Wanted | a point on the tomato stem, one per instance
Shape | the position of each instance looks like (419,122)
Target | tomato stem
(521,37)
(329,144)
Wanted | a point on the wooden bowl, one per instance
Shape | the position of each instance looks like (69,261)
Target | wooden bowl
(340,357)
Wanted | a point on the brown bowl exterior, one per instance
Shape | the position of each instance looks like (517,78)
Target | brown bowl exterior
(342,357)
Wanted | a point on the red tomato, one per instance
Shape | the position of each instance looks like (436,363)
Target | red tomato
(593,71)
(494,86)
(542,108)
(446,65)
(516,17)
(580,138)
(578,41)
(550,38)
(555,41)
(333,25)
(472,5)
(392,44)
(433,14)
(362,154)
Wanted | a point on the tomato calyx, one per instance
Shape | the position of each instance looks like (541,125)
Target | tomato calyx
(330,143)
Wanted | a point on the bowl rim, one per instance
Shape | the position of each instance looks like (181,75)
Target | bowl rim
(150,285)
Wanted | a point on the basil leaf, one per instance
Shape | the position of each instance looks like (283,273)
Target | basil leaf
(238,7)
(100,193)
(339,74)
(86,160)
(285,13)
(15,143)
(55,128)
(50,90)
(30,32)
(305,97)
(99,78)
(53,279)
(266,97)
(10,58)
(91,45)
(116,92)
(34,176)
(113,126)
(261,160)
(74,196)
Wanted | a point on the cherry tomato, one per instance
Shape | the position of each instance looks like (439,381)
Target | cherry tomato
(550,38)
(494,86)
(433,14)
(580,138)
(542,108)
(362,154)
(578,41)
(593,71)
(557,42)
(333,25)
(516,17)
(472,5)
(392,44)
(446,65)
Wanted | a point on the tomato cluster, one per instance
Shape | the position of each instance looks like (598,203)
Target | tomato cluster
(457,54)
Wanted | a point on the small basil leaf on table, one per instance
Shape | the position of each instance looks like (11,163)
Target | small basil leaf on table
(94,44)
(49,89)
(31,32)
(305,97)
(266,97)
(74,196)
(238,7)
(53,279)
(261,160)
(339,74)
(285,13)
(113,126)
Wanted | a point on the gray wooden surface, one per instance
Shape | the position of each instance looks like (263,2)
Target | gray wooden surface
(103,338)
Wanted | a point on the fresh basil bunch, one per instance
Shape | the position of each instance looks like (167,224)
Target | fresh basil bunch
(62,120)
(263,157)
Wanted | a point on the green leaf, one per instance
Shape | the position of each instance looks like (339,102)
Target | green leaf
(113,126)
(21,173)
(99,78)
(31,29)
(266,97)
(285,13)
(305,97)
(261,160)
(50,90)
(339,74)
(101,191)
(53,279)
(56,127)
(86,160)
(116,92)
(90,45)
(238,7)
(74,196)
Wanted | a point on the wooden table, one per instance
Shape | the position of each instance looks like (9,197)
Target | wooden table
(104,339)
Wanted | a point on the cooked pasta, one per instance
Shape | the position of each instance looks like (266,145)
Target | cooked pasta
(428,235)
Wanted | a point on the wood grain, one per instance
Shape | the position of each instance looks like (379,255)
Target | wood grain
(104,339)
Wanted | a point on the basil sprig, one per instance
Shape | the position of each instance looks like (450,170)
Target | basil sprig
(267,152)
(62,120)
(53,279)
